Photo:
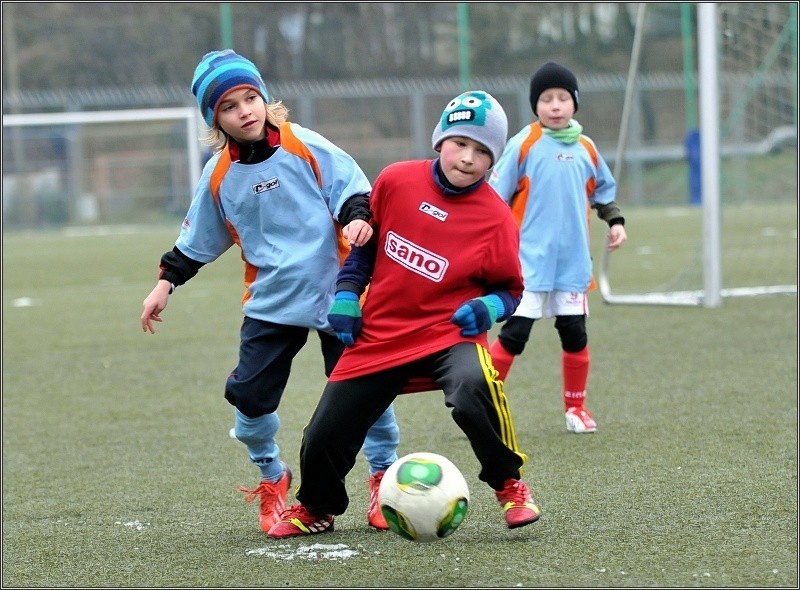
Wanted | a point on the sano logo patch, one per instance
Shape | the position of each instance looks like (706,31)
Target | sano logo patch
(415,258)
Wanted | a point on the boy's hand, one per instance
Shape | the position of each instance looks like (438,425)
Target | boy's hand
(153,305)
(478,315)
(616,236)
(345,317)
(357,232)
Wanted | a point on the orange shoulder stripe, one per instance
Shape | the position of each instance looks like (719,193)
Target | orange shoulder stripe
(291,144)
(219,172)
(533,137)
(520,198)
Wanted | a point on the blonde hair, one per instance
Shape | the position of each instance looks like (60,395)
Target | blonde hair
(216,138)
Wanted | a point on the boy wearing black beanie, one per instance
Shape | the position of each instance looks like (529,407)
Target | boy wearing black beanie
(549,173)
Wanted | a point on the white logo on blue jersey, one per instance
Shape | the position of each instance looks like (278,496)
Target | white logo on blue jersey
(266,185)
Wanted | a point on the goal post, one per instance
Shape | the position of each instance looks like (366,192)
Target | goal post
(756,61)
(124,152)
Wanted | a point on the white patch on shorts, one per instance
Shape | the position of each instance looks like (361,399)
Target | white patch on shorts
(537,305)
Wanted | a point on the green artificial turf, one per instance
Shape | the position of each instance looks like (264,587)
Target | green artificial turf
(118,470)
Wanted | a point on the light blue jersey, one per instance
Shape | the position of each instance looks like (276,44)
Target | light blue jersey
(552,188)
(282,219)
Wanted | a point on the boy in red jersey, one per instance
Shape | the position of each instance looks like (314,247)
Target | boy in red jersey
(441,269)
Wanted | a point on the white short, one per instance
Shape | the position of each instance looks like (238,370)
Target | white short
(539,304)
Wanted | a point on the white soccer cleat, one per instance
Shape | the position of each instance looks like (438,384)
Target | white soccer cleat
(580,421)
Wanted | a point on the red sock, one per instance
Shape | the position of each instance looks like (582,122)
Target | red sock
(575,372)
(501,359)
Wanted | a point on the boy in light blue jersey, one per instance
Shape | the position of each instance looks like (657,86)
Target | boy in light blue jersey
(551,175)
(294,203)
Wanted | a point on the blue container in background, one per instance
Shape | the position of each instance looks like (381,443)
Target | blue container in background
(692,145)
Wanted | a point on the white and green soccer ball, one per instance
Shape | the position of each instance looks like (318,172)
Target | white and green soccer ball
(424,497)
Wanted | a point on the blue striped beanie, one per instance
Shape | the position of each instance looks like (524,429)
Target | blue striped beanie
(218,73)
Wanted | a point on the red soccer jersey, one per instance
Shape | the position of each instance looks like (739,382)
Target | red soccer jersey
(435,253)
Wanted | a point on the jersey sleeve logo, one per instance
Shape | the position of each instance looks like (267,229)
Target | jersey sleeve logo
(415,258)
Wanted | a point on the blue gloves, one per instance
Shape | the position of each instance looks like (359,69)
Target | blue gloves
(345,317)
(478,315)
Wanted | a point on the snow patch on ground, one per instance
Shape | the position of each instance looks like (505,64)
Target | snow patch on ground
(316,551)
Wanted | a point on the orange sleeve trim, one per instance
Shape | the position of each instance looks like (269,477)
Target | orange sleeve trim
(589,148)
(590,184)
(219,172)
(533,136)
(291,144)
(520,199)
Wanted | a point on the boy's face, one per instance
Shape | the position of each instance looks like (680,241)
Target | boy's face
(555,108)
(464,161)
(242,114)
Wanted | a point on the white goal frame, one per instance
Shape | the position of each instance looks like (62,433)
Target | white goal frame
(189,115)
(708,73)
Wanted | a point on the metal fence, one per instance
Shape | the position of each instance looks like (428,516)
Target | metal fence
(117,170)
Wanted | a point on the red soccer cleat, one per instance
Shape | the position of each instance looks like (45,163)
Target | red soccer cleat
(297,521)
(273,498)
(374,514)
(517,503)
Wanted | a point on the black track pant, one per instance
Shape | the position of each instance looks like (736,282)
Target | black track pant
(347,409)
(266,352)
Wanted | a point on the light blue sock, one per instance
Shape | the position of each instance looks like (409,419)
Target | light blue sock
(383,438)
(258,434)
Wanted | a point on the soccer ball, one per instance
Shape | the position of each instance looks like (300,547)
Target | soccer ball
(424,497)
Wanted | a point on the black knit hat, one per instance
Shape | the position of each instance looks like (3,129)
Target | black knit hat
(553,75)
